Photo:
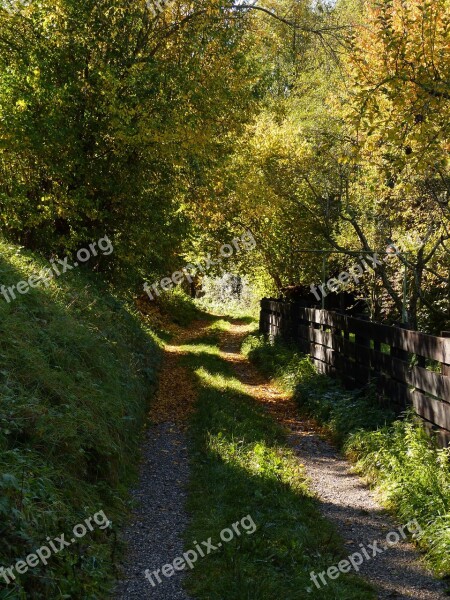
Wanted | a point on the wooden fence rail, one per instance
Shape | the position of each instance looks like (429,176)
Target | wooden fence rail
(400,363)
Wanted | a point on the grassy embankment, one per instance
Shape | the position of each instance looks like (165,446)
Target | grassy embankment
(77,369)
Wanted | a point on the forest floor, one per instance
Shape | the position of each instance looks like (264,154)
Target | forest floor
(205,463)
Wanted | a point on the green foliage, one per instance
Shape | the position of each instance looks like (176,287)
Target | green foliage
(104,125)
(76,373)
(349,152)
(413,477)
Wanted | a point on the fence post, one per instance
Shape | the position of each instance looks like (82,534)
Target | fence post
(261,317)
(397,352)
(362,340)
(445,368)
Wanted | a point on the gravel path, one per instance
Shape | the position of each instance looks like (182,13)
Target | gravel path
(396,573)
(344,498)
(154,537)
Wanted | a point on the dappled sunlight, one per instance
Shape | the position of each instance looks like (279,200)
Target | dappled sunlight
(241,417)
(218,382)
(279,403)
(256,390)
(176,394)
(259,459)
(244,464)
(343,498)
(185,349)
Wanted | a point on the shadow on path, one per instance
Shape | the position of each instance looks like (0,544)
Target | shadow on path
(398,572)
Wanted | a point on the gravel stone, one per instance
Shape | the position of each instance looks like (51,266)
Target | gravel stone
(348,502)
(154,534)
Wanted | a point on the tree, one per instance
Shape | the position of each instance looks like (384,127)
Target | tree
(108,116)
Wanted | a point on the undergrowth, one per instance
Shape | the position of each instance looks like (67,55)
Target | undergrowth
(413,478)
(338,410)
(77,369)
(179,306)
(398,457)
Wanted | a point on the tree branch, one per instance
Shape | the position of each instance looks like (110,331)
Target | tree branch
(292,24)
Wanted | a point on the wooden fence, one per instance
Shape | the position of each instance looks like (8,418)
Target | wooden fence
(400,363)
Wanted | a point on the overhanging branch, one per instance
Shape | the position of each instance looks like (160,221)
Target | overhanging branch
(292,24)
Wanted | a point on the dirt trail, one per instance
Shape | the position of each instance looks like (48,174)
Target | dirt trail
(154,536)
(398,572)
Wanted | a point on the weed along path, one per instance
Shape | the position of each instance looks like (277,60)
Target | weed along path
(227,507)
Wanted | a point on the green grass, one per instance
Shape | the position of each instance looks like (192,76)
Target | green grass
(398,457)
(181,308)
(230,309)
(241,465)
(413,479)
(77,370)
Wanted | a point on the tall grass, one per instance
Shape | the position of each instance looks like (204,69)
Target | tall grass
(413,478)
